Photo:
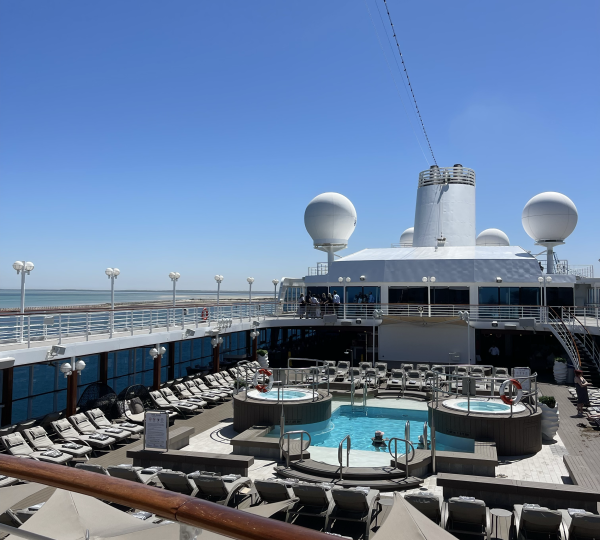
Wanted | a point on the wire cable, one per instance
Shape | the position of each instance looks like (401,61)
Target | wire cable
(395,82)
(408,80)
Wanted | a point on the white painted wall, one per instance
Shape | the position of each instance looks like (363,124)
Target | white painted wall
(416,343)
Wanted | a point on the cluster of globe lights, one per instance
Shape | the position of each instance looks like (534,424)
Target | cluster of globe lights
(23,266)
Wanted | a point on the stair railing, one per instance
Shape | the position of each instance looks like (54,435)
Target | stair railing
(407,443)
(587,341)
(564,335)
(348,441)
(288,436)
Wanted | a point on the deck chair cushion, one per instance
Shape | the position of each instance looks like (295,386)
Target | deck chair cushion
(466,511)
(540,519)
(16,445)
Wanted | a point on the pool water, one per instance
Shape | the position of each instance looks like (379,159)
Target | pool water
(489,406)
(361,423)
(285,394)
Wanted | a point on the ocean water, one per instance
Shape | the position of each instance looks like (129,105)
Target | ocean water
(10,298)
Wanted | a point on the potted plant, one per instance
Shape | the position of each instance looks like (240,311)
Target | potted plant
(263,358)
(550,417)
(560,370)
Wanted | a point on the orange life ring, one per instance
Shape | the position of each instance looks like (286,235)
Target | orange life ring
(264,371)
(204,314)
(261,388)
(519,395)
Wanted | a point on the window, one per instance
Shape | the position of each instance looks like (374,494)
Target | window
(559,296)
(407,295)
(450,295)
(362,295)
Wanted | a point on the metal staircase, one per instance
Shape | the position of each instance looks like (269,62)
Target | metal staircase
(563,334)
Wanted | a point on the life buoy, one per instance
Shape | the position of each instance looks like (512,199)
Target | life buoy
(503,388)
(261,371)
(205,314)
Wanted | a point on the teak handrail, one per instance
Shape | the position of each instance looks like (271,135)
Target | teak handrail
(168,504)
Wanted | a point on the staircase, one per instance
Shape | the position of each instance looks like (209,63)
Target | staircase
(589,364)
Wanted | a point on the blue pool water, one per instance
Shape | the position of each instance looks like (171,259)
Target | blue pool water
(286,395)
(361,425)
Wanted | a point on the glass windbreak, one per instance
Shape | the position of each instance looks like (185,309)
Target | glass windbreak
(363,295)
(407,295)
(450,295)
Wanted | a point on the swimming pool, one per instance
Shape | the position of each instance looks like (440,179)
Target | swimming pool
(286,394)
(488,406)
(361,423)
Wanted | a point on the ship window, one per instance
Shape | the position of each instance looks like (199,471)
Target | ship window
(360,295)
(559,296)
(529,296)
(407,295)
(450,295)
(488,296)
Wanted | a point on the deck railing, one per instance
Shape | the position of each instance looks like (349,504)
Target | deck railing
(183,509)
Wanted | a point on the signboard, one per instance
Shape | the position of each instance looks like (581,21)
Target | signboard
(156,431)
(522,374)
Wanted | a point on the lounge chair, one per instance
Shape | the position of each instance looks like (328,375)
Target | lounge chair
(355,505)
(371,378)
(342,370)
(364,366)
(82,424)
(40,441)
(461,370)
(226,375)
(190,392)
(67,433)
(381,368)
(531,520)
(222,395)
(477,371)
(178,482)
(163,405)
(396,380)
(133,410)
(273,491)
(211,382)
(580,525)
(219,377)
(133,474)
(189,406)
(467,515)
(6,481)
(428,380)
(313,500)
(329,374)
(219,489)
(407,367)
(183,394)
(501,372)
(441,370)
(16,445)
(422,368)
(313,376)
(355,374)
(98,419)
(428,504)
(92,467)
(413,380)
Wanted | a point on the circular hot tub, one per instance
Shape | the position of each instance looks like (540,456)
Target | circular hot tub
(285,395)
(486,406)
(299,406)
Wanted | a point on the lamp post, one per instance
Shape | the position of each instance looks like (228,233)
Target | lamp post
(250,281)
(156,353)
(174,277)
(24,268)
(275,282)
(112,274)
(219,280)
(465,316)
(429,279)
(344,281)
(70,371)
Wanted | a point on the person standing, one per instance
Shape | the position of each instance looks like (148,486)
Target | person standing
(495,354)
(336,302)
(581,385)
(314,302)
(302,307)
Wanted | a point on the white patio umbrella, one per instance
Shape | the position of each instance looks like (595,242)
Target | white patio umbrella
(68,515)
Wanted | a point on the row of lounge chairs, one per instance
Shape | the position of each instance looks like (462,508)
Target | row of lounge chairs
(468,515)
(76,437)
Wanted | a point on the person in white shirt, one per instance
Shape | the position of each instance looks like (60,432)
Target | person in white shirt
(336,302)
(495,354)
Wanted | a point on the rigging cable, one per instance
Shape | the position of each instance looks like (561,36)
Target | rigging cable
(394,79)
(408,80)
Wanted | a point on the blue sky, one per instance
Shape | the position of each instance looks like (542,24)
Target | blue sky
(189,136)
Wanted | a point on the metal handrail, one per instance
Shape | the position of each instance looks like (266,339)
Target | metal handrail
(167,504)
(587,337)
(407,443)
(565,336)
(340,447)
(288,434)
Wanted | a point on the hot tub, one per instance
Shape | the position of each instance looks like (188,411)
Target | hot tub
(484,406)
(286,394)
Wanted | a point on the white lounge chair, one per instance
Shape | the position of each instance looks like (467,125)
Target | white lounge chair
(40,441)
(531,520)
(467,515)
(16,445)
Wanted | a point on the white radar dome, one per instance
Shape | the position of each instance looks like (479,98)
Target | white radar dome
(406,238)
(492,237)
(549,217)
(330,218)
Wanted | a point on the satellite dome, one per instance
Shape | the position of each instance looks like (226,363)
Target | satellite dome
(406,238)
(330,218)
(549,217)
(492,237)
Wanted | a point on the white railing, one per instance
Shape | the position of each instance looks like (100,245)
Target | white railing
(52,325)
(447,175)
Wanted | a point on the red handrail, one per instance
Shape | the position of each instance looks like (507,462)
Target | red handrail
(168,504)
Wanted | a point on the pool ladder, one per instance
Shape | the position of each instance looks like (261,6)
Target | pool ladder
(340,455)
(352,391)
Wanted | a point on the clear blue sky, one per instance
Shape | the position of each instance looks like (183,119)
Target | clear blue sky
(189,136)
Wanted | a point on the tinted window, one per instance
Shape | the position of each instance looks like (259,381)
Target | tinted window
(559,296)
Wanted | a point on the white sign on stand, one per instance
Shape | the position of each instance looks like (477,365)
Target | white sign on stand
(522,374)
(156,431)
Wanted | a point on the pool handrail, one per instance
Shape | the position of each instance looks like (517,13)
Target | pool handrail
(348,440)
(287,434)
(407,443)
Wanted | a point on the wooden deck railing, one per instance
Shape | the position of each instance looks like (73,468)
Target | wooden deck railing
(167,504)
